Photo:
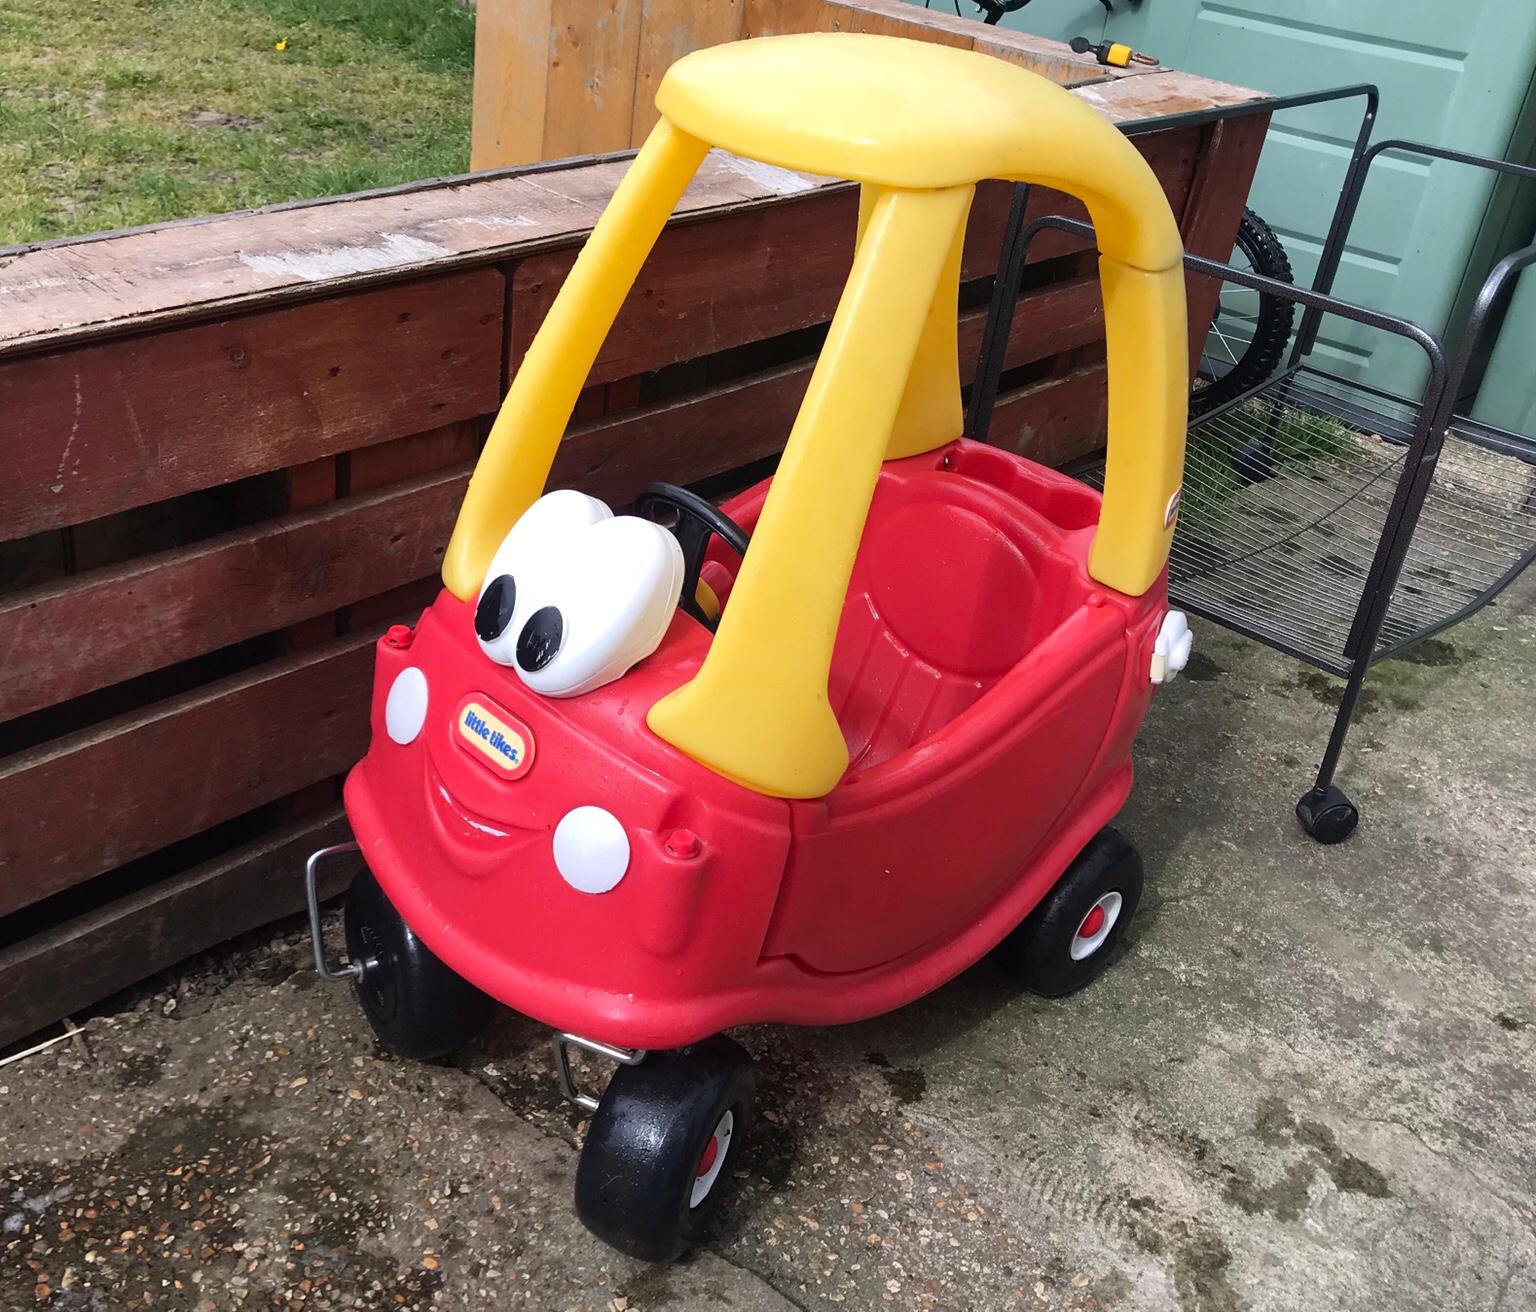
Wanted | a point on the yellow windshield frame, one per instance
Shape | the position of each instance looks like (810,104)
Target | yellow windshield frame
(520,448)
(918,126)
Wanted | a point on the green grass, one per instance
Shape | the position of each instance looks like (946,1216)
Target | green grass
(1302,439)
(120,112)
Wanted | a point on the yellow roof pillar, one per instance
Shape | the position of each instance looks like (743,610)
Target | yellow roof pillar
(930,414)
(512,470)
(757,710)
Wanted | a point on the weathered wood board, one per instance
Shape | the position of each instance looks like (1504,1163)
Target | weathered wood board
(141,419)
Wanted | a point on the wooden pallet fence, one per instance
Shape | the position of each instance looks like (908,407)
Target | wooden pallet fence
(218,488)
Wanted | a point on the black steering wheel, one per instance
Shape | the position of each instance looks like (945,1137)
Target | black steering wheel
(692,521)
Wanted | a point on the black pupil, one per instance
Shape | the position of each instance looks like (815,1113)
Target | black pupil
(540,639)
(494,612)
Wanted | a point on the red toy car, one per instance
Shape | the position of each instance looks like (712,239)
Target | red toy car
(804,757)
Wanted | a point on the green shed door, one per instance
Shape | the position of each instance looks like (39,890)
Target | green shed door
(1454,74)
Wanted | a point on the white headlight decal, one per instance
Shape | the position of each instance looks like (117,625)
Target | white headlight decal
(591,849)
(405,708)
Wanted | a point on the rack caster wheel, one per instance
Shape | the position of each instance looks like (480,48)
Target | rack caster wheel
(1068,940)
(661,1145)
(1327,814)
(417,1006)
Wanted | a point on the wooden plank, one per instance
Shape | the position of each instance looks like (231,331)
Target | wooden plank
(93,800)
(381,466)
(1046,322)
(93,630)
(895,18)
(130,422)
(66,968)
(776,17)
(119,282)
(399,605)
(589,403)
(31,561)
(723,182)
(710,433)
(684,441)
(1055,421)
(621,395)
(167,525)
(670,29)
(310,485)
(409,457)
(709,286)
(67,638)
(594,46)
(511,89)
(1050,59)
(1214,209)
(755,275)
(1160,92)
(138,279)
(174,272)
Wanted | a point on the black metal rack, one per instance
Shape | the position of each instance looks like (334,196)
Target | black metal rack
(1324,517)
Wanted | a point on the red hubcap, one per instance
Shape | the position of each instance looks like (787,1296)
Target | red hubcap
(711,1151)
(1093,922)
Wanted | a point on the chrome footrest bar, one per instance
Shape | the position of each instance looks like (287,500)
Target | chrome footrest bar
(561,1044)
(348,971)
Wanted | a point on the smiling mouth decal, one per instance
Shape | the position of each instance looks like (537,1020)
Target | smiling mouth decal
(467,818)
(450,806)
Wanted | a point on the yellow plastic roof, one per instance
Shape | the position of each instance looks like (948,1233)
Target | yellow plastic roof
(911,115)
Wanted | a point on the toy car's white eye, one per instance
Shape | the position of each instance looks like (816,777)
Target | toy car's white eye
(524,553)
(575,596)
(602,603)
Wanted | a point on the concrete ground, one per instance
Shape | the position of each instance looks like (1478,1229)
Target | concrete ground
(1308,1084)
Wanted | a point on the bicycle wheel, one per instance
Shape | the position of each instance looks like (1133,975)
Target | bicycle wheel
(1249,331)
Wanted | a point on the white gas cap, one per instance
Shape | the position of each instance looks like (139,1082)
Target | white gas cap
(1171,652)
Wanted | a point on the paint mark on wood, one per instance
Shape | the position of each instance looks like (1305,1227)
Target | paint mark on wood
(69,442)
(32,284)
(782,182)
(491,221)
(392,250)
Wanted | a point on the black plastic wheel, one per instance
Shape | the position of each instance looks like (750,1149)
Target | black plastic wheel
(1327,814)
(1070,938)
(1250,331)
(661,1146)
(417,1006)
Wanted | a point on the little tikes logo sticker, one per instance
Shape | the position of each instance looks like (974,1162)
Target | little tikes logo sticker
(493,737)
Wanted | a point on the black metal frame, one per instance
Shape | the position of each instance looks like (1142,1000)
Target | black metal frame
(1433,413)
(1011,259)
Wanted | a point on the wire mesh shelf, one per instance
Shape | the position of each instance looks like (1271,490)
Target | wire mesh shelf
(1287,496)
(1320,515)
